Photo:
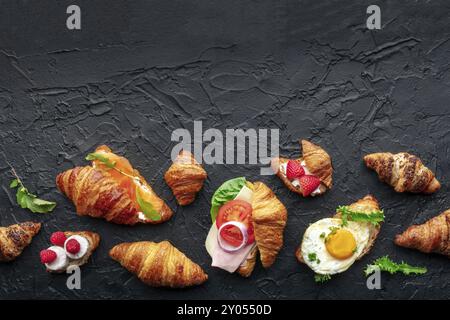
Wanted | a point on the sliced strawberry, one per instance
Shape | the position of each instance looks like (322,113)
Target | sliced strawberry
(47,256)
(309,183)
(294,170)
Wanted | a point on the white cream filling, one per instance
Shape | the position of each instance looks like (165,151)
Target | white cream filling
(84,246)
(296,182)
(61,262)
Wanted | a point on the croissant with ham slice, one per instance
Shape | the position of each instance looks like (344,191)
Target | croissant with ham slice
(185,177)
(113,190)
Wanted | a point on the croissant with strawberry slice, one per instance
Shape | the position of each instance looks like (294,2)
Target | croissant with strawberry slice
(113,190)
(310,175)
(431,236)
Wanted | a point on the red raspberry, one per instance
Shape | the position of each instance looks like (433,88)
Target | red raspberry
(58,238)
(47,256)
(294,170)
(73,246)
(309,183)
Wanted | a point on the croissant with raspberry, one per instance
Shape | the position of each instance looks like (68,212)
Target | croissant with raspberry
(113,190)
(403,171)
(15,238)
(158,264)
(431,236)
(309,175)
(185,177)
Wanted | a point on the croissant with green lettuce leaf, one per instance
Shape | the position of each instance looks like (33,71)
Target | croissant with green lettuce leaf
(110,188)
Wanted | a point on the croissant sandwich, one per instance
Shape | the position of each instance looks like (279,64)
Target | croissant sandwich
(247,218)
(431,236)
(332,245)
(113,190)
(15,238)
(69,249)
(403,171)
(185,177)
(310,175)
(158,264)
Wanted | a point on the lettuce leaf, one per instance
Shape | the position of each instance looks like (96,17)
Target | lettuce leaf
(226,192)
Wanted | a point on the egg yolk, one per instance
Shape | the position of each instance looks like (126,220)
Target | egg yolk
(341,244)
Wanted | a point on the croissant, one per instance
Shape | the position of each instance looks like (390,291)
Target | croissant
(368,204)
(315,159)
(431,236)
(111,193)
(269,217)
(15,238)
(403,171)
(158,264)
(185,177)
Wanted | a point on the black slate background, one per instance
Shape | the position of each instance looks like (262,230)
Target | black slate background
(139,69)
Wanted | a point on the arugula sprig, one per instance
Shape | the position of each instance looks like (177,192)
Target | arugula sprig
(147,208)
(27,200)
(321,278)
(374,217)
(386,264)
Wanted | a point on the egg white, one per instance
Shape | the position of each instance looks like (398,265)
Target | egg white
(313,243)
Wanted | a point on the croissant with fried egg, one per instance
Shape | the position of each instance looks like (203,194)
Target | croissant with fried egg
(113,190)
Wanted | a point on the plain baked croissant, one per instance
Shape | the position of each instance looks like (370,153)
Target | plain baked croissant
(403,171)
(368,204)
(15,238)
(316,160)
(158,264)
(269,218)
(431,236)
(102,192)
(185,177)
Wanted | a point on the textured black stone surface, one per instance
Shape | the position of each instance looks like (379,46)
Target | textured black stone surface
(139,69)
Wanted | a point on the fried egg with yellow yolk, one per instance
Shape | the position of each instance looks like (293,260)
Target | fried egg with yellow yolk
(330,248)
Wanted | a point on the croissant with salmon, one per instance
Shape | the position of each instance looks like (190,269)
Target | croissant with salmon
(15,238)
(309,175)
(403,171)
(158,264)
(185,177)
(113,190)
(431,236)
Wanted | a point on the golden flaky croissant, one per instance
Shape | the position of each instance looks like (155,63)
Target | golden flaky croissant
(269,218)
(317,162)
(368,204)
(403,171)
(185,177)
(15,238)
(158,264)
(431,236)
(109,189)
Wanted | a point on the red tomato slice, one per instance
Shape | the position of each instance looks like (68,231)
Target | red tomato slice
(235,210)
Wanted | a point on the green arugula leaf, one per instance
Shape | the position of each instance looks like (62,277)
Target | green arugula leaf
(386,264)
(226,192)
(312,256)
(321,278)
(147,207)
(100,157)
(27,200)
(374,217)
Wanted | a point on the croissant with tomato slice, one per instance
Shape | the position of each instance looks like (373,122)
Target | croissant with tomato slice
(247,218)
(185,177)
(113,190)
